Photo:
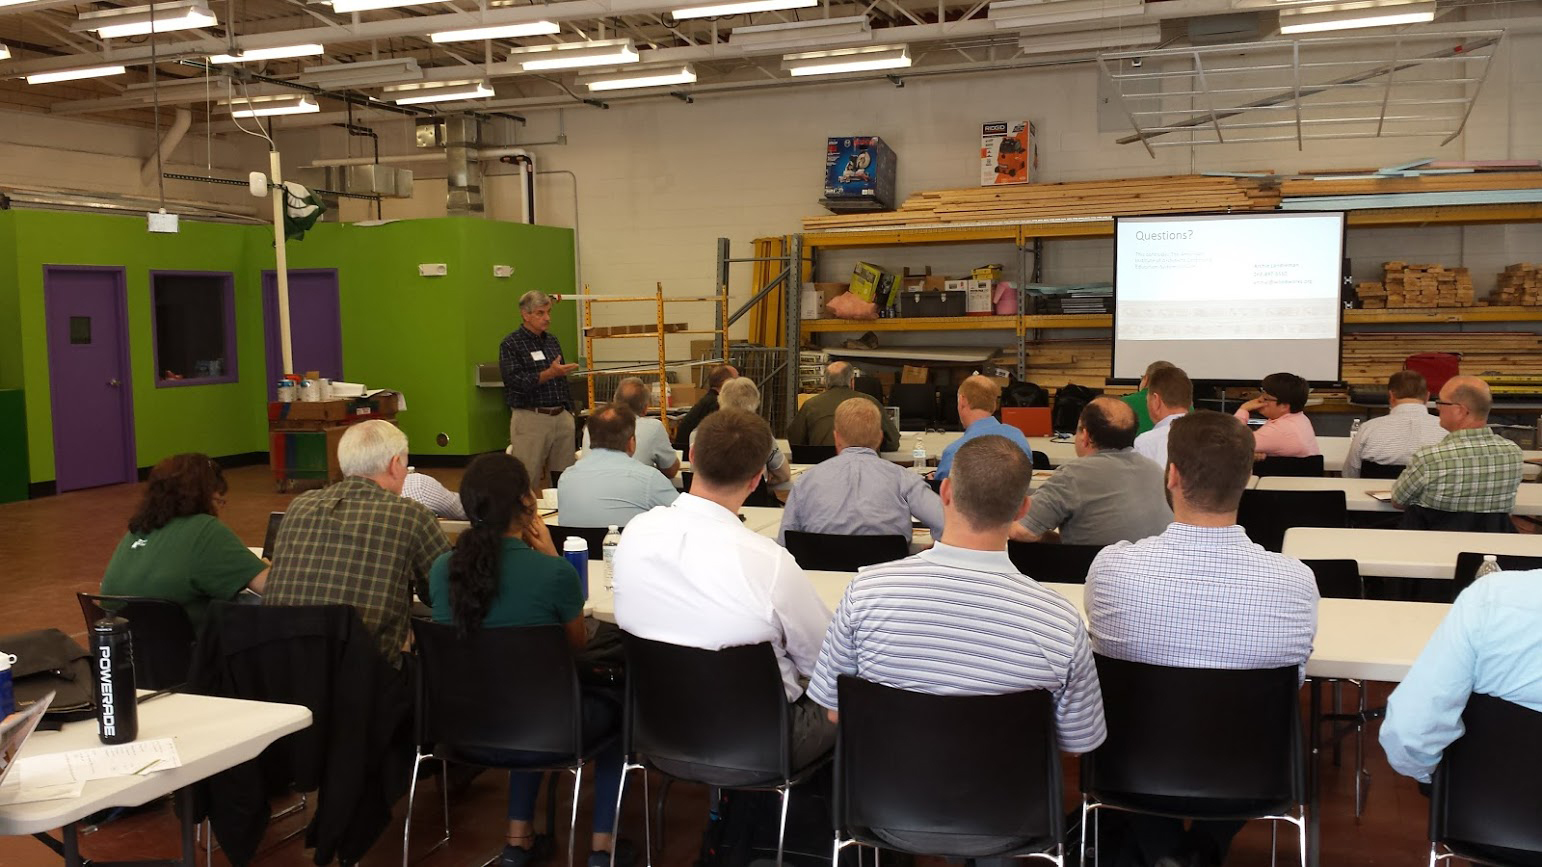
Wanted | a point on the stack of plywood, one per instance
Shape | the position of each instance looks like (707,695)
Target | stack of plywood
(1174,194)
(1373,296)
(1369,358)
(1053,363)
(1426,286)
(1518,284)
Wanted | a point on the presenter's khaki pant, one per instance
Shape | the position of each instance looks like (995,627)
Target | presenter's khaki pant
(542,443)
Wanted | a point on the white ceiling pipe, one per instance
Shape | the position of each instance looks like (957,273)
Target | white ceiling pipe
(179,127)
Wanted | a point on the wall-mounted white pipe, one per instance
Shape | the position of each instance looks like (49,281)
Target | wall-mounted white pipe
(168,143)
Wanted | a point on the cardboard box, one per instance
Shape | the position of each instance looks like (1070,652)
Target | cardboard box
(864,281)
(816,295)
(922,282)
(917,375)
(318,410)
(861,171)
(684,395)
(1009,153)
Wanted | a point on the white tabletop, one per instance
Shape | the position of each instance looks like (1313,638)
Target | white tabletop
(1403,553)
(1335,449)
(1528,498)
(212,735)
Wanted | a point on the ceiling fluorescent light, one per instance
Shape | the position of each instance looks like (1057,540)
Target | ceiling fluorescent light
(5,51)
(140,21)
(273,106)
(1123,37)
(438,91)
(500,31)
(1012,14)
(575,55)
(367,5)
(362,73)
(75,74)
(847,60)
(1353,16)
(847,30)
(657,77)
(283,51)
(741,8)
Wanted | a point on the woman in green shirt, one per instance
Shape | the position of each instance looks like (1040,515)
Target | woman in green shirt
(176,548)
(503,573)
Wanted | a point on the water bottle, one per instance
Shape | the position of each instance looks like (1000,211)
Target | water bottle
(7,696)
(112,661)
(608,551)
(918,455)
(1354,428)
(575,549)
(1489,566)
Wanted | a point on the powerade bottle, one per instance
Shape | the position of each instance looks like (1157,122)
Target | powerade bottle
(112,664)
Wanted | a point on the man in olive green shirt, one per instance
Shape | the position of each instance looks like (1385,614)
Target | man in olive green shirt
(814,423)
(1137,400)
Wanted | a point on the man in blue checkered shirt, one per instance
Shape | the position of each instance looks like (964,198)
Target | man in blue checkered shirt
(1200,595)
(535,387)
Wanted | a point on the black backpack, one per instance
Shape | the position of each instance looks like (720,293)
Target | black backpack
(1022,394)
(1069,402)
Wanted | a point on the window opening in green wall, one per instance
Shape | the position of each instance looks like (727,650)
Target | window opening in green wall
(194,327)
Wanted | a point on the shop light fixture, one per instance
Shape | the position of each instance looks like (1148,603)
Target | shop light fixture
(1353,16)
(308,50)
(75,74)
(848,30)
(438,91)
(847,60)
(498,31)
(272,106)
(367,5)
(1016,14)
(363,73)
(140,20)
(663,76)
(575,55)
(742,7)
(1123,37)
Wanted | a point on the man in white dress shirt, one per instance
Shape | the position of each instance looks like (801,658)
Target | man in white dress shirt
(1407,427)
(653,446)
(691,574)
(1169,394)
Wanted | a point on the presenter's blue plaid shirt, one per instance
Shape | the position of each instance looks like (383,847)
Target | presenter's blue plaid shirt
(521,369)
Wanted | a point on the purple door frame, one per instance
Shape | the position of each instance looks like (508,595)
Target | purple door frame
(77,465)
(316,325)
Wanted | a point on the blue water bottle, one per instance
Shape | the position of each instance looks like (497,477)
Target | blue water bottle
(7,695)
(576,551)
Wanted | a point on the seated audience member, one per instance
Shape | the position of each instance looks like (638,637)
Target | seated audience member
(1288,432)
(1407,427)
(1472,469)
(426,489)
(359,542)
(1108,494)
(653,446)
(494,578)
(858,493)
(814,422)
(607,486)
(1169,395)
(960,619)
(1144,420)
(1200,595)
(1491,643)
(978,398)
(742,394)
(705,405)
(176,548)
(691,574)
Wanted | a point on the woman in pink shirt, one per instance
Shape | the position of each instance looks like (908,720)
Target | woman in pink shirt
(1288,432)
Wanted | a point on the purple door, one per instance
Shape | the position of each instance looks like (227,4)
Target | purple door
(88,372)
(315,324)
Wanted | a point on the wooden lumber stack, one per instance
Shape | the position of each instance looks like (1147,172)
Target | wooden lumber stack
(1338,185)
(1518,284)
(1424,286)
(649,329)
(1369,358)
(1372,295)
(1160,195)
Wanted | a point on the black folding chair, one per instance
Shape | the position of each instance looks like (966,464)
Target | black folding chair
(1373,470)
(1041,461)
(1467,564)
(1266,515)
(1051,561)
(509,688)
(917,404)
(1417,517)
(718,717)
(993,755)
(1278,466)
(947,408)
(1487,788)
(869,385)
(595,536)
(833,552)
(161,632)
(1340,579)
(1198,758)
(812,454)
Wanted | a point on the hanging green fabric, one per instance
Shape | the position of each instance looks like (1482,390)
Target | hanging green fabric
(301,210)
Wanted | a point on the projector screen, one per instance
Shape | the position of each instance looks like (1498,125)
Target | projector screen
(1229,297)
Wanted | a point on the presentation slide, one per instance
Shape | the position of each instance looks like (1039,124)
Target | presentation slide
(1229,297)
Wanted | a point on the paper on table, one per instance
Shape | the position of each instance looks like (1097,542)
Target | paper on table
(17,790)
(1384,496)
(78,767)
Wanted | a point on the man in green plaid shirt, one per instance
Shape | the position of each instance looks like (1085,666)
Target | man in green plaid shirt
(359,542)
(1473,469)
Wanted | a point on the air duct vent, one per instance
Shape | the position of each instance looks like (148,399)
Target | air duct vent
(1220,29)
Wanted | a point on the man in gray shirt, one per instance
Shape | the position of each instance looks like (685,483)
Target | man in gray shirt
(608,486)
(1110,493)
(858,493)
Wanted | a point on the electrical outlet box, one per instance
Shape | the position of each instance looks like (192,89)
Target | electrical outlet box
(503,270)
(433,270)
(162,222)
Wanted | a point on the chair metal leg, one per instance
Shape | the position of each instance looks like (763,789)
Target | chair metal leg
(662,819)
(1434,858)
(444,792)
(1301,836)
(1338,710)
(647,833)
(781,827)
(412,795)
(615,825)
(1274,842)
(835,851)
(578,779)
(1081,857)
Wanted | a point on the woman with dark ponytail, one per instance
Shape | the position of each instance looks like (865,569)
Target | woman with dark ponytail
(504,571)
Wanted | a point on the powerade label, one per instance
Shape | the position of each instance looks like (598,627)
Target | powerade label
(104,677)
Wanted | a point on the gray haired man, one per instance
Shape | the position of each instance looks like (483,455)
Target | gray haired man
(541,430)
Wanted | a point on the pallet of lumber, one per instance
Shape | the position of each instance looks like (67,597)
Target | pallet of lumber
(1369,358)
(1474,182)
(1518,284)
(1407,286)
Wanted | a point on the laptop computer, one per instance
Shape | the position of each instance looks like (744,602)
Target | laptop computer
(15,730)
(274,518)
(1033,421)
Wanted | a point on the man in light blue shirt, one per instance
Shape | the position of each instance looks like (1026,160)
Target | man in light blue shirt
(1490,643)
(653,446)
(978,398)
(858,493)
(1169,395)
(608,486)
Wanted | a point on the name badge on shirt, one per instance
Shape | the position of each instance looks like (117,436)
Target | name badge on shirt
(537,355)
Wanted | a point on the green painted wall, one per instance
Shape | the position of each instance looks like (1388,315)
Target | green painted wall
(10,306)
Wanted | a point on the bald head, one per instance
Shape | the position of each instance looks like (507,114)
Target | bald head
(1109,424)
(719,375)
(1464,403)
(840,374)
(858,423)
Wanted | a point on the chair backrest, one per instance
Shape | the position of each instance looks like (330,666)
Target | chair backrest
(1337,579)
(1467,564)
(1197,733)
(1041,461)
(812,454)
(1310,467)
(513,688)
(160,631)
(835,552)
(947,408)
(1266,515)
(1417,517)
(1373,470)
(271,536)
(763,496)
(869,385)
(1033,421)
(966,776)
(1489,781)
(917,402)
(723,709)
(1050,561)
(595,536)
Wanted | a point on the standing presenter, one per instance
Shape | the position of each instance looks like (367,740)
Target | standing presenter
(535,387)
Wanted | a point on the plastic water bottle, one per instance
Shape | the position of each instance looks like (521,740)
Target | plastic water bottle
(608,551)
(1354,428)
(918,455)
(7,693)
(1489,566)
(575,550)
(112,666)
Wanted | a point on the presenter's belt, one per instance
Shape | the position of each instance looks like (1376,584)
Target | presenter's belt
(545,410)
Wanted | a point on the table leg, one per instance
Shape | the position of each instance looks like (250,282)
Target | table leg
(71,846)
(1313,776)
(189,827)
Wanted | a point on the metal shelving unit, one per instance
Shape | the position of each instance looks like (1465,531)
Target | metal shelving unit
(658,299)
